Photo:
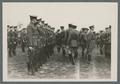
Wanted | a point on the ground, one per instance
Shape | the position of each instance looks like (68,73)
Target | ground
(58,67)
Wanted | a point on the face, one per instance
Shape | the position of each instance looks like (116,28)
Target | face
(107,30)
(85,31)
(34,21)
(92,29)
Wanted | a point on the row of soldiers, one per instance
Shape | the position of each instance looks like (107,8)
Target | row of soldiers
(87,39)
(40,37)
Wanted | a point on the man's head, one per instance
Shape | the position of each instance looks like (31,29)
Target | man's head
(62,27)
(33,19)
(15,28)
(39,20)
(85,30)
(101,31)
(11,28)
(70,26)
(107,29)
(53,29)
(74,26)
(92,27)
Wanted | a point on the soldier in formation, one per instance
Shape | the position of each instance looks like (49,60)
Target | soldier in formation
(12,41)
(40,43)
(83,41)
(107,42)
(90,43)
(23,39)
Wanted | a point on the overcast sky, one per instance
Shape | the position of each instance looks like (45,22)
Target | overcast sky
(56,14)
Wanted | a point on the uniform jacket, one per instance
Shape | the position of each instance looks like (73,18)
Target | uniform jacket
(73,37)
(91,40)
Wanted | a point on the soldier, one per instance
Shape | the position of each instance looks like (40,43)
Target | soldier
(23,38)
(58,40)
(12,41)
(62,37)
(101,42)
(90,43)
(83,40)
(32,35)
(97,39)
(107,47)
(72,42)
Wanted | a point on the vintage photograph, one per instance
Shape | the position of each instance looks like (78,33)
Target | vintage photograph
(60,41)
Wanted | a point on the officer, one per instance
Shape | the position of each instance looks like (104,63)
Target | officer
(107,47)
(62,37)
(90,43)
(15,38)
(101,42)
(72,42)
(23,38)
(32,35)
(58,40)
(83,41)
(8,28)
(97,39)
(10,41)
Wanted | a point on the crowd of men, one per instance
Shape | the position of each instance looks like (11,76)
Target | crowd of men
(40,39)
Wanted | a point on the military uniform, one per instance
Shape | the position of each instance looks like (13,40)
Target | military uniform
(72,42)
(107,43)
(12,42)
(33,49)
(83,41)
(90,43)
(23,41)
(101,44)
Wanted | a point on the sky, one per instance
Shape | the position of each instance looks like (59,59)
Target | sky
(56,14)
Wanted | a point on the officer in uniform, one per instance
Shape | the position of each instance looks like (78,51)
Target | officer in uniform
(101,42)
(107,47)
(97,39)
(72,42)
(62,37)
(10,41)
(83,41)
(32,35)
(90,43)
(23,38)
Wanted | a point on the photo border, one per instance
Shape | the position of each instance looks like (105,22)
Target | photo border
(1,33)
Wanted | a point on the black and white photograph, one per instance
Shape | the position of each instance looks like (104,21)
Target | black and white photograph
(65,41)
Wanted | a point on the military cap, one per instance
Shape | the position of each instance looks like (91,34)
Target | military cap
(8,25)
(11,26)
(85,29)
(106,28)
(39,19)
(15,26)
(70,25)
(91,26)
(49,26)
(46,24)
(42,21)
(33,17)
(62,27)
(74,26)
(101,31)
